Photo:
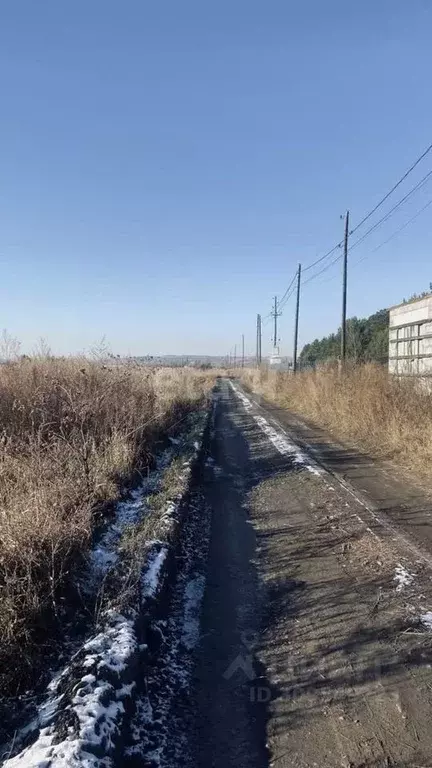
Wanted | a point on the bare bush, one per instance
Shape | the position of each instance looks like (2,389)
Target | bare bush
(72,432)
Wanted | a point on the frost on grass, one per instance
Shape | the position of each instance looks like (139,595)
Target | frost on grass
(151,576)
(105,554)
(402,577)
(278,437)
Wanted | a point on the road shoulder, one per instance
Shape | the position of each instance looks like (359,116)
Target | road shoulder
(392,492)
(347,661)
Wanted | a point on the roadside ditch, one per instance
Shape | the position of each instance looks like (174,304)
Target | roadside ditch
(144,581)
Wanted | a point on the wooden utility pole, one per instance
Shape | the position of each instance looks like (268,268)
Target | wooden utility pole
(242,350)
(258,340)
(297,319)
(258,345)
(275,315)
(344,290)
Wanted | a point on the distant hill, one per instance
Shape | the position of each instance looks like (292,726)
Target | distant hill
(367,340)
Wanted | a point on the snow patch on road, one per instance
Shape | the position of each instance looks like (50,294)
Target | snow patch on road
(194,594)
(245,400)
(402,577)
(278,437)
(211,464)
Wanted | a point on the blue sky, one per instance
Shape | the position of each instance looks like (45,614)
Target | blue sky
(165,165)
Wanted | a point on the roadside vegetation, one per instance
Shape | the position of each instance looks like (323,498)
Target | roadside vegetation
(385,415)
(367,341)
(73,435)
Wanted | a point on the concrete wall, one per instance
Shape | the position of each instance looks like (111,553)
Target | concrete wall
(409,348)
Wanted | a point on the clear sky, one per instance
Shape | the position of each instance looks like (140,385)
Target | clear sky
(165,165)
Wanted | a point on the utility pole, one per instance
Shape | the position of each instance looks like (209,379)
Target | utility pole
(258,344)
(242,350)
(344,290)
(235,356)
(297,319)
(275,314)
(259,341)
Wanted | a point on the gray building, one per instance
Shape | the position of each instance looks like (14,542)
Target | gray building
(410,338)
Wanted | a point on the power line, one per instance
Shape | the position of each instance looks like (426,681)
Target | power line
(324,269)
(291,293)
(420,184)
(290,290)
(378,205)
(291,283)
(384,218)
(381,245)
(283,301)
(394,234)
(329,253)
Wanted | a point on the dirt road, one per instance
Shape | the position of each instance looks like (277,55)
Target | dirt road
(312,650)
(291,626)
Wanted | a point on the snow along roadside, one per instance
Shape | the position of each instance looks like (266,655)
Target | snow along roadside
(88,704)
(156,736)
(284,445)
(278,437)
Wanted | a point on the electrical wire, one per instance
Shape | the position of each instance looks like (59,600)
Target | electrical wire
(381,245)
(284,303)
(326,255)
(394,234)
(378,205)
(371,229)
(324,269)
(288,293)
(292,281)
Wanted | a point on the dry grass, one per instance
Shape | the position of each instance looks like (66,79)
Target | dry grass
(386,416)
(72,432)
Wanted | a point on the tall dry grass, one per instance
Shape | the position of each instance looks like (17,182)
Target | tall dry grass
(388,416)
(72,432)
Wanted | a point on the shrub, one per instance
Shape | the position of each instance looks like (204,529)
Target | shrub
(72,433)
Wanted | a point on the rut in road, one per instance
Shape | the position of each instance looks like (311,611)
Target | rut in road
(308,654)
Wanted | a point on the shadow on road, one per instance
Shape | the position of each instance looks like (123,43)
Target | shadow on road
(301,642)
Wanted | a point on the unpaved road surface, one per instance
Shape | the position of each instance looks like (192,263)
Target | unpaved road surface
(314,648)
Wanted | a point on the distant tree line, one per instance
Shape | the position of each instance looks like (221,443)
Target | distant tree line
(367,340)
(419,295)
